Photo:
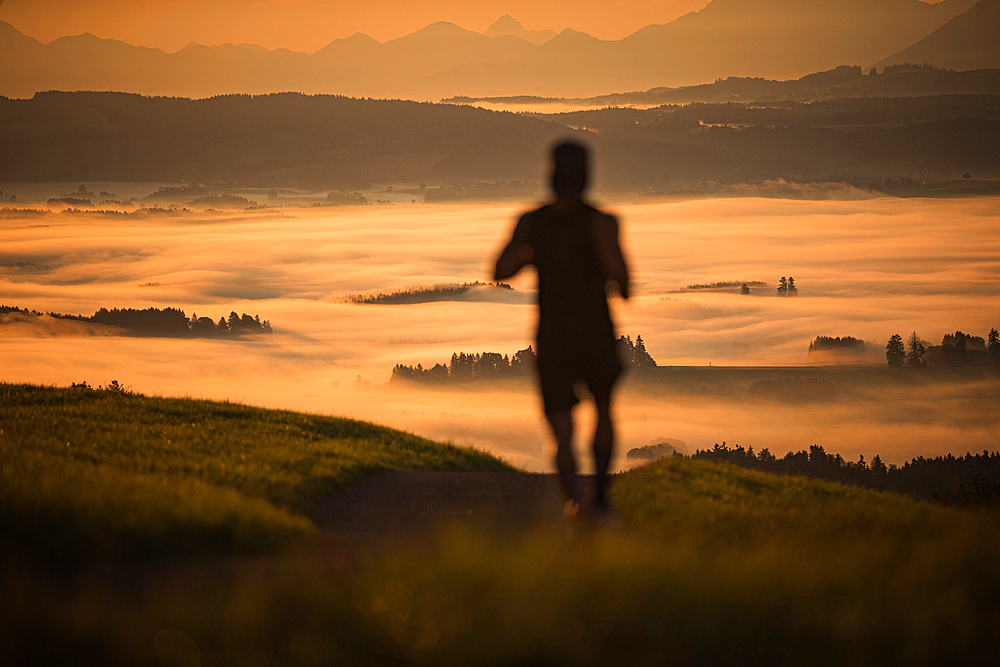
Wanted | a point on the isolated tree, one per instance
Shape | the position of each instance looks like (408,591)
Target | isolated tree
(783,286)
(914,350)
(744,289)
(792,289)
(895,354)
(993,346)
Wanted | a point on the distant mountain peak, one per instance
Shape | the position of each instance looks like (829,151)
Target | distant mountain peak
(506,25)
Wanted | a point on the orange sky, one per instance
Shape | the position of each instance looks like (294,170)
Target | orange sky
(307,25)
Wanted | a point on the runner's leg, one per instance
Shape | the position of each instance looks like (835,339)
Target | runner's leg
(603,446)
(562,428)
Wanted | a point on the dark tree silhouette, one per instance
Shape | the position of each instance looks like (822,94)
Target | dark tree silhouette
(792,289)
(914,351)
(993,346)
(959,349)
(783,286)
(744,289)
(493,365)
(634,354)
(836,344)
(970,480)
(895,354)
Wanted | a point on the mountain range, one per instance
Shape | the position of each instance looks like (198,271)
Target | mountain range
(748,38)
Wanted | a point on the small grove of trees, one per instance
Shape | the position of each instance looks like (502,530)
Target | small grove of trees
(491,365)
(836,344)
(634,354)
(957,349)
(235,324)
(973,479)
(168,322)
(172,322)
(786,287)
(422,294)
(487,365)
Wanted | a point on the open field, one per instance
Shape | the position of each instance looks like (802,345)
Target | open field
(717,564)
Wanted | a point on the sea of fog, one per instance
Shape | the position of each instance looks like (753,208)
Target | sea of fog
(866,269)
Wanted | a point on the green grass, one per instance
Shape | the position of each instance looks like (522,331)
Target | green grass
(98,472)
(720,565)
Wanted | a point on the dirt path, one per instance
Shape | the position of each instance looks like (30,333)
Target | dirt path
(394,506)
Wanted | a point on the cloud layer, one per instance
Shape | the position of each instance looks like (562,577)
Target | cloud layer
(867,269)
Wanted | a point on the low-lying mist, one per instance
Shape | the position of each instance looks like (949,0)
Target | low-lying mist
(866,269)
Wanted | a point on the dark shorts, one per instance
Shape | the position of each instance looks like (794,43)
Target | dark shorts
(559,377)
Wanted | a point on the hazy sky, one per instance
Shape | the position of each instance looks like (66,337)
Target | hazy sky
(308,25)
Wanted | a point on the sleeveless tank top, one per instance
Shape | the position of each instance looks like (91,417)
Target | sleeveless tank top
(572,301)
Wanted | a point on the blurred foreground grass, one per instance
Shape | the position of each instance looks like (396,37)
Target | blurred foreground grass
(719,565)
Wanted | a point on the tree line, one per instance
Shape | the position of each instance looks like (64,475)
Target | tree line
(836,344)
(422,294)
(493,365)
(168,322)
(957,349)
(970,480)
(479,366)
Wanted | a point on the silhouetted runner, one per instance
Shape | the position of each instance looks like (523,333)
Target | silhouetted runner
(575,249)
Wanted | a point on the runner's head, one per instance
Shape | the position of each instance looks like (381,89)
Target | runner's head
(569,170)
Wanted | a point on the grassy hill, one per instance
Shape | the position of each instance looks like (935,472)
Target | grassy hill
(719,565)
(104,472)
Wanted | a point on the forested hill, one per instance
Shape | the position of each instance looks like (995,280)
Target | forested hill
(338,143)
(292,139)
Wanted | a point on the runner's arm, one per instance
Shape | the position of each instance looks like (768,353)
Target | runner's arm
(517,253)
(606,239)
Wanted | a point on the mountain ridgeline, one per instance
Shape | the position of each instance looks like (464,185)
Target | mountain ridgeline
(747,38)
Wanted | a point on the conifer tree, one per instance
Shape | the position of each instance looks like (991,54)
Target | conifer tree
(744,289)
(993,346)
(792,289)
(783,286)
(895,353)
(915,350)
